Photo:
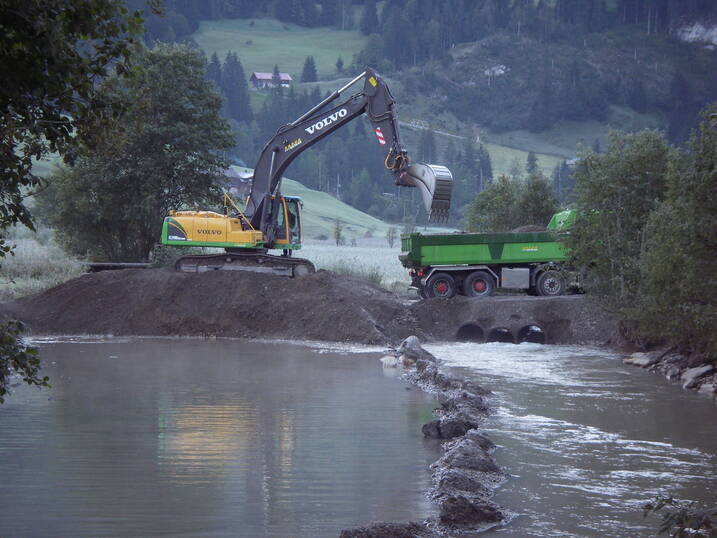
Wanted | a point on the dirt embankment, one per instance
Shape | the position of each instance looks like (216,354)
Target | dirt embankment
(320,306)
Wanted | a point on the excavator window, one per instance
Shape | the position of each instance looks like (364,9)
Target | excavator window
(280,226)
(292,210)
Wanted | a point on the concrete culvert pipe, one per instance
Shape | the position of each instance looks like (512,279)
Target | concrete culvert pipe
(470,332)
(500,334)
(533,334)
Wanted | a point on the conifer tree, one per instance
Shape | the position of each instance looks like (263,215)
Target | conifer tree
(369,19)
(235,89)
(309,72)
(214,70)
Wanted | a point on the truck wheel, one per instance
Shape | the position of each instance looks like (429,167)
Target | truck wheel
(441,285)
(550,284)
(479,284)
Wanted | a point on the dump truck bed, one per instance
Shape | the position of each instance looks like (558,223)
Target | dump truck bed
(419,250)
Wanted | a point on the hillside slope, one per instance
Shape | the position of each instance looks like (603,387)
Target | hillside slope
(263,43)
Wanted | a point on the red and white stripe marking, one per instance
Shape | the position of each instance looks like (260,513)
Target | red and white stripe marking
(379,135)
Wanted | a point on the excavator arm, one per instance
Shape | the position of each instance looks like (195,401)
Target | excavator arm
(375,100)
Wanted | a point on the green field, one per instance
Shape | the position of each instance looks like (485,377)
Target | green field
(263,43)
(566,135)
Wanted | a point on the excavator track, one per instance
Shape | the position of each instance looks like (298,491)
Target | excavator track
(254,262)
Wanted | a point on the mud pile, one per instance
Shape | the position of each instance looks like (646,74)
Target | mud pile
(320,306)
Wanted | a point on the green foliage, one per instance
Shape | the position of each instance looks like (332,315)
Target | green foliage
(683,519)
(616,192)
(509,203)
(309,72)
(678,295)
(161,155)
(16,357)
(52,57)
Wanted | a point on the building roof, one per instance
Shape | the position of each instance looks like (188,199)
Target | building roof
(269,76)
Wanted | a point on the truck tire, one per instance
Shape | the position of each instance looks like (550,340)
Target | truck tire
(479,284)
(441,285)
(550,284)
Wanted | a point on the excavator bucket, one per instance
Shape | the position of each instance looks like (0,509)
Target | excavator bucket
(435,183)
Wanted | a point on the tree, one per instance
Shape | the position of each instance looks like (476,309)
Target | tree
(531,163)
(678,291)
(391,234)
(162,155)
(536,201)
(54,57)
(340,65)
(337,232)
(214,70)
(427,146)
(616,192)
(369,19)
(495,208)
(309,72)
(236,89)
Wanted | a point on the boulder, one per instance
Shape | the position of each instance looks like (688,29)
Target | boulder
(411,349)
(485,444)
(456,480)
(708,387)
(388,530)
(448,427)
(466,454)
(460,511)
(431,429)
(644,360)
(690,377)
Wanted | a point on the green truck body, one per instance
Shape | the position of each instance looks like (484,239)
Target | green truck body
(475,264)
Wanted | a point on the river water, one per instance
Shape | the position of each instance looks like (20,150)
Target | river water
(587,440)
(182,437)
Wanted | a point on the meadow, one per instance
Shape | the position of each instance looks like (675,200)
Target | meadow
(263,43)
(38,263)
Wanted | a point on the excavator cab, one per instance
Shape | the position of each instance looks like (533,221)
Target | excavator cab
(288,224)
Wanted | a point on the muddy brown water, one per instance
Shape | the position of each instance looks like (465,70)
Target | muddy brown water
(182,437)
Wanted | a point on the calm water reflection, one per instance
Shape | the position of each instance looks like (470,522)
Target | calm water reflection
(210,438)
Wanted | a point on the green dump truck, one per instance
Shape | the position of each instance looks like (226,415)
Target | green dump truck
(476,264)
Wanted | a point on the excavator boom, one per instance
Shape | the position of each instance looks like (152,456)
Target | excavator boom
(272,221)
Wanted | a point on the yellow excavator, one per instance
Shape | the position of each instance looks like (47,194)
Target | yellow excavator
(269,220)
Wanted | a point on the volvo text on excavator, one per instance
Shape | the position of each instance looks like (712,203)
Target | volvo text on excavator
(272,221)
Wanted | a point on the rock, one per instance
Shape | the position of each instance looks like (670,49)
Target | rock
(455,427)
(708,386)
(696,359)
(460,511)
(464,401)
(388,530)
(448,427)
(455,480)
(673,372)
(691,376)
(466,454)
(411,349)
(485,444)
(644,359)
(431,429)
